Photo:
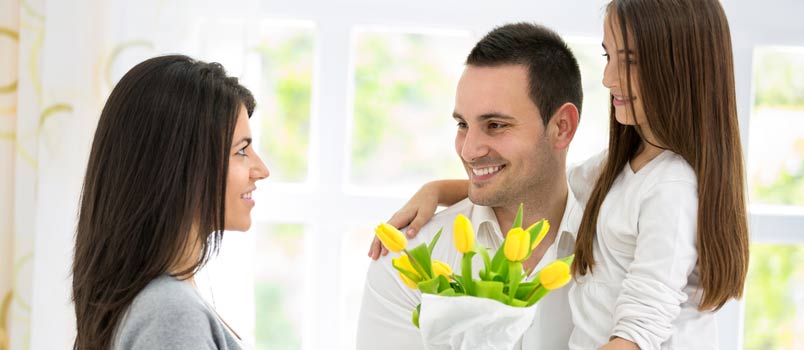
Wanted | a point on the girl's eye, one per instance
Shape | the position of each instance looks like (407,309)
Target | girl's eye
(241,152)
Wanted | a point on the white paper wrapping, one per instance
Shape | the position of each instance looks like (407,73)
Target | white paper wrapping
(465,322)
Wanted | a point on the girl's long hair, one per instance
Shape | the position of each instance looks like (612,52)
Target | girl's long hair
(155,186)
(685,74)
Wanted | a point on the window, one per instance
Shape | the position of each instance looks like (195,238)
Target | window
(774,305)
(402,127)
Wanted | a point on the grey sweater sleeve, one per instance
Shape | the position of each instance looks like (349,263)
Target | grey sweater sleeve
(169,314)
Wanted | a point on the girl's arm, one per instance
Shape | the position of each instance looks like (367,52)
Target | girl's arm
(618,343)
(421,207)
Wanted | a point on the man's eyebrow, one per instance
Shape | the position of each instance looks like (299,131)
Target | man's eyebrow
(486,116)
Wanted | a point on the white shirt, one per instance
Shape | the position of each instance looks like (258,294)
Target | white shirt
(386,311)
(644,286)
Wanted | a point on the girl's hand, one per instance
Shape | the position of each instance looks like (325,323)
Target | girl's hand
(420,209)
(618,343)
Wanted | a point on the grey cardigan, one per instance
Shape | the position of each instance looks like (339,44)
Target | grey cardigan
(170,314)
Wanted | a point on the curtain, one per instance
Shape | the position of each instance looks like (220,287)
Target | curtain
(58,63)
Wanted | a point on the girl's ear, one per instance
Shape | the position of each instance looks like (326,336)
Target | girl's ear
(563,125)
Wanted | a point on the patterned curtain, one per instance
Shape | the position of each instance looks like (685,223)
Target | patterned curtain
(58,62)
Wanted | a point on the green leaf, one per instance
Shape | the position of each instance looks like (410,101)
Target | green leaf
(409,274)
(430,286)
(518,303)
(490,290)
(435,240)
(449,292)
(483,251)
(525,289)
(415,318)
(498,261)
(420,259)
(518,219)
(534,232)
(537,294)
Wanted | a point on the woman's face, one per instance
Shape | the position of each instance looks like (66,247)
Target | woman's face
(614,76)
(245,169)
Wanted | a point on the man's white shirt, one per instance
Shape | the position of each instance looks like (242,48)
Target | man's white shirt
(386,310)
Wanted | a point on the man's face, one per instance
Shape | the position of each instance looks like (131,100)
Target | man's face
(501,139)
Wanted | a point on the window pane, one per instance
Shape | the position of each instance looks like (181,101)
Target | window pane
(776,144)
(286,57)
(593,129)
(774,301)
(279,286)
(403,130)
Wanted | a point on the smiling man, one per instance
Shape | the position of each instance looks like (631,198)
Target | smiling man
(517,108)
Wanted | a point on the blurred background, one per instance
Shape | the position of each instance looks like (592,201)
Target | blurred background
(354,114)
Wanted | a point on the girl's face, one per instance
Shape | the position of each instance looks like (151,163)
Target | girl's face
(245,169)
(614,76)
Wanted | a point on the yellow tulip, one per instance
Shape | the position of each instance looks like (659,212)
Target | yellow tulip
(403,262)
(391,238)
(555,275)
(463,234)
(541,234)
(517,244)
(441,268)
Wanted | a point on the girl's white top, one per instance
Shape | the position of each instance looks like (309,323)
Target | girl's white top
(644,285)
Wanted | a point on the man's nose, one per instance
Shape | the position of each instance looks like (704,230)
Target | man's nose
(475,145)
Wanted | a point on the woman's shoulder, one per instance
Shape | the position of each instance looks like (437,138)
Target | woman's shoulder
(166,310)
(168,292)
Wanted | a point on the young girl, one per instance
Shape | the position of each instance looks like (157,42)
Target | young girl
(171,168)
(663,241)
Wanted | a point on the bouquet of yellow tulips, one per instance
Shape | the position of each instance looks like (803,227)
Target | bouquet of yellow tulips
(501,279)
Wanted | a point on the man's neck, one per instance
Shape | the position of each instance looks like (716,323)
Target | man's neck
(549,205)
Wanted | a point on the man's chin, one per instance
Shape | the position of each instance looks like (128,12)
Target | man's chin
(481,198)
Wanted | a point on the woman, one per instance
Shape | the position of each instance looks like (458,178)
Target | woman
(171,168)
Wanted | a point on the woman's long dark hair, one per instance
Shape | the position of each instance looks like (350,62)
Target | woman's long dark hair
(685,76)
(155,185)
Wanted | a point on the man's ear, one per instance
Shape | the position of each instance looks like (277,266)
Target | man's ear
(563,125)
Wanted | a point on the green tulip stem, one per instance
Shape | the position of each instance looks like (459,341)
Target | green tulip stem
(514,277)
(466,272)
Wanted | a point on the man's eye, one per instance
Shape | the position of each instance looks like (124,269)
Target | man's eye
(496,125)
(461,125)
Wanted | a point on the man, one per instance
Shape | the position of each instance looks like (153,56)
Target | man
(517,108)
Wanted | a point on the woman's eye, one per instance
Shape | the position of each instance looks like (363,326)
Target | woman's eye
(241,152)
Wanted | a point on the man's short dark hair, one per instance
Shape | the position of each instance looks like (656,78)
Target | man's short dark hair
(553,74)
